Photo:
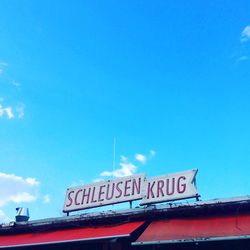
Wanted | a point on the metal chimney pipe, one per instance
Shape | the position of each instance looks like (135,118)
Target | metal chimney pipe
(22,214)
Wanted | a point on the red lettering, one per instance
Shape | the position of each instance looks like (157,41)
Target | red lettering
(93,196)
(150,190)
(101,192)
(118,189)
(168,192)
(181,188)
(160,185)
(112,191)
(86,195)
(76,196)
(136,186)
(126,188)
(70,198)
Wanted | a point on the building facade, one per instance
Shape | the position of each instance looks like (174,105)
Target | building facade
(214,224)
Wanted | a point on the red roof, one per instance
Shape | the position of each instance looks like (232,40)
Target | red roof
(69,235)
(198,229)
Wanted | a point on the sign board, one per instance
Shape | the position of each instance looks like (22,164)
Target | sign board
(170,187)
(104,193)
(136,187)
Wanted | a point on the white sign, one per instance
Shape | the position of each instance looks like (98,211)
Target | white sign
(170,187)
(158,189)
(104,193)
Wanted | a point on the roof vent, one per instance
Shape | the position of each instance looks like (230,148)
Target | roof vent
(22,214)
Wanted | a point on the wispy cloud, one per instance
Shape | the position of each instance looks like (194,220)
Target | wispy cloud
(12,112)
(245,34)
(126,168)
(241,54)
(20,110)
(46,199)
(15,110)
(3,217)
(143,159)
(6,111)
(22,197)
(3,65)
(17,189)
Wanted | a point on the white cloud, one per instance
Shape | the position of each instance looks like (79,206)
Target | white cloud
(46,199)
(2,66)
(20,110)
(17,189)
(9,112)
(126,168)
(22,197)
(141,158)
(245,35)
(32,181)
(6,111)
(3,217)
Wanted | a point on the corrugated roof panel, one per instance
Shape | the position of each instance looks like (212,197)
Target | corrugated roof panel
(196,229)
(69,235)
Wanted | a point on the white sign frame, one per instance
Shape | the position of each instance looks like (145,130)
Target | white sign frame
(104,193)
(158,189)
(170,187)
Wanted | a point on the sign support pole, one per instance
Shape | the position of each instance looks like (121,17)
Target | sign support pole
(130,204)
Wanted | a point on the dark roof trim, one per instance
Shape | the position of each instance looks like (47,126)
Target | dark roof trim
(152,212)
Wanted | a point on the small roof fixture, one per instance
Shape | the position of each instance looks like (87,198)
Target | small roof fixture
(22,214)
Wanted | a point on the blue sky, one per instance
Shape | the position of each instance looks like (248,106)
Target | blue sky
(169,80)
